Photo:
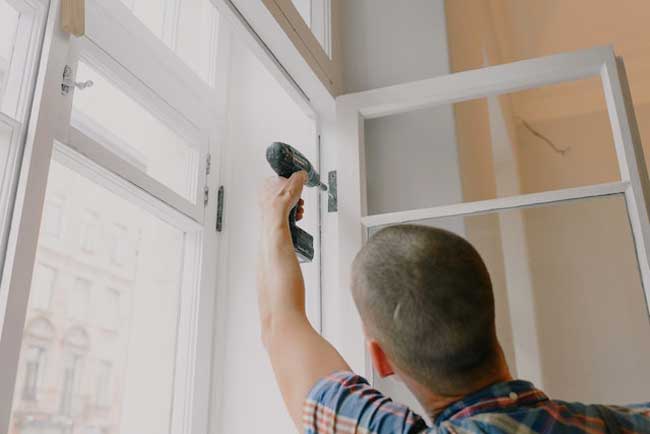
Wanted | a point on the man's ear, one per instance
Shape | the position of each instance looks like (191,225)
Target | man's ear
(379,360)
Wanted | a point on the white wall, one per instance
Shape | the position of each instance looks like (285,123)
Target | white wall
(411,159)
(519,285)
(259,112)
(385,43)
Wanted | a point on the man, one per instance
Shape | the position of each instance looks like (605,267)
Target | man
(426,302)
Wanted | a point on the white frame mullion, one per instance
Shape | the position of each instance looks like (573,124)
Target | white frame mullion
(354,109)
(138,89)
(631,161)
(113,27)
(96,152)
(88,52)
(477,83)
(96,171)
(493,205)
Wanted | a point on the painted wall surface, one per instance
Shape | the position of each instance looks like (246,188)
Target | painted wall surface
(411,159)
(588,305)
(385,43)
(588,296)
(260,112)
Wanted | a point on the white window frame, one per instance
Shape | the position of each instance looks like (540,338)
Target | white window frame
(17,99)
(283,32)
(84,49)
(198,111)
(353,109)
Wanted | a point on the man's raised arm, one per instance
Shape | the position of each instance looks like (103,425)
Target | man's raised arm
(299,355)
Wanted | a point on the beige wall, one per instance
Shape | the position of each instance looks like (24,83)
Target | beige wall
(592,322)
(475,160)
(590,313)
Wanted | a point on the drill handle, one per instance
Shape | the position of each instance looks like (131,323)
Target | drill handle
(303,242)
(292,217)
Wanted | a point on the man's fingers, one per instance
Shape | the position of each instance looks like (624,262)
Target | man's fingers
(295,185)
(298,179)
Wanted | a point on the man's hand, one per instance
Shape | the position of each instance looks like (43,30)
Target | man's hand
(299,355)
(279,195)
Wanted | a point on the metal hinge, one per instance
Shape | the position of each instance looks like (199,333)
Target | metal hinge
(332,193)
(206,195)
(208,163)
(220,197)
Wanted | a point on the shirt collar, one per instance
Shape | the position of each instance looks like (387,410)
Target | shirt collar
(498,396)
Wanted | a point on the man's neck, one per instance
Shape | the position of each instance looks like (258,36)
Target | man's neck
(435,404)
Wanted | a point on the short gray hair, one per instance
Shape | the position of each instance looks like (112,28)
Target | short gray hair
(425,295)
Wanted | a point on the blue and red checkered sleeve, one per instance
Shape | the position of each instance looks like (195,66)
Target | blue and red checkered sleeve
(345,403)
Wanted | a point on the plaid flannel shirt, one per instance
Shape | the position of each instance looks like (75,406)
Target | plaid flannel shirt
(345,403)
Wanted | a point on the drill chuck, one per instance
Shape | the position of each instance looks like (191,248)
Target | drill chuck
(286,160)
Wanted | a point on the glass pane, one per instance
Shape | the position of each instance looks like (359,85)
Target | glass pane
(196,39)
(99,346)
(531,141)
(569,299)
(8,22)
(8,27)
(129,130)
(304,8)
(508,31)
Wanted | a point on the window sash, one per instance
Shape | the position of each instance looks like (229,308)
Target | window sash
(353,109)
(191,286)
(164,83)
(86,50)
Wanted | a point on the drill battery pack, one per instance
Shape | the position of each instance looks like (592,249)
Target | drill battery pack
(303,242)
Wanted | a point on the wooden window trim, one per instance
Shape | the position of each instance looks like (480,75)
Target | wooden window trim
(328,70)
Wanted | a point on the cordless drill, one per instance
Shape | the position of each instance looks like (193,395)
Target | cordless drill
(285,161)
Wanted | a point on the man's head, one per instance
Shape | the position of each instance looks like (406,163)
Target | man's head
(425,297)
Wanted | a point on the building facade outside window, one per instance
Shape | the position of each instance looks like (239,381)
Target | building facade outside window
(34,365)
(43,287)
